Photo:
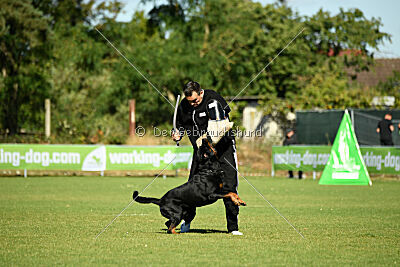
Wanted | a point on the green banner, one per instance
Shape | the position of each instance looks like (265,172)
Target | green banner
(380,160)
(148,157)
(345,165)
(305,158)
(93,157)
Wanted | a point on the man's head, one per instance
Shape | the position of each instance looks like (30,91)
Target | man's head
(289,133)
(388,116)
(193,93)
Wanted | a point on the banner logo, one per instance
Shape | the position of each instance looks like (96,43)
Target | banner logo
(95,160)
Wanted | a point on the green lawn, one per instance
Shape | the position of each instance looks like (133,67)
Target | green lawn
(54,220)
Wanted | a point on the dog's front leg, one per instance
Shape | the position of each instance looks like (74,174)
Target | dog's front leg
(235,199)
(233,196)
(215,196)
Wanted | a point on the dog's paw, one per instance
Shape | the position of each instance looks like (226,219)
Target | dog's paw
(172,231)
(237,200)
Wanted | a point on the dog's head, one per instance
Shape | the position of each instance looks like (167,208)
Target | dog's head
(208,160)
(206,152)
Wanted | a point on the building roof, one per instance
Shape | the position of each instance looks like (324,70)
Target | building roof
(382,70)
(243,98)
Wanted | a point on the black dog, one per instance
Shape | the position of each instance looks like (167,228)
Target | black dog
(203,189)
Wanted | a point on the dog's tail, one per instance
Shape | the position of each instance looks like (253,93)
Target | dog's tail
(145,200)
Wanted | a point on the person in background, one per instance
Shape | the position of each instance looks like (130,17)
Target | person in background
(290,139)
(385,129)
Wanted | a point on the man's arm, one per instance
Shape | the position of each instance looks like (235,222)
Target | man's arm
(222,101)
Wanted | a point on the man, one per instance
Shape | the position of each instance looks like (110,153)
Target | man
(290,139)
(196,111)
(385,129)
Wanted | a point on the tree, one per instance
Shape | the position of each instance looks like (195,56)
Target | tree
(49,49)
(80,79)
(24,33)
(391,87)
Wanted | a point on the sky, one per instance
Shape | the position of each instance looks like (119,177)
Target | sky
(386,10)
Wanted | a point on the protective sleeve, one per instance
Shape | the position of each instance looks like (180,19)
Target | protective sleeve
(216,129)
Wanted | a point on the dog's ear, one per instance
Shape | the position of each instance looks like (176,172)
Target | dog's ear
(204,142)
(201,152)
(211,152)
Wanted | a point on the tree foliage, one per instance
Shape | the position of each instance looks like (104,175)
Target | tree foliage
(391,87)
(24,50)
(50,49)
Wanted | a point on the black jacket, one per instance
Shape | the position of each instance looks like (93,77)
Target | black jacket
(194,121)
(290,141)
(385,132)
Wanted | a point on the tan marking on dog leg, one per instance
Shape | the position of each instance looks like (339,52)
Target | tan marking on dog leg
(235,199)
(231,195)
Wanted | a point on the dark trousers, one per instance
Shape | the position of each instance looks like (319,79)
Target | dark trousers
(226,153)
(291,174)
(386,142)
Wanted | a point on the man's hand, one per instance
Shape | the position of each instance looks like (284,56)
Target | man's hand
(176,136)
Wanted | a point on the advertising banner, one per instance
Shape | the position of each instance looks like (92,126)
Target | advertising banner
(305,158)
(148,157)
(380,160)
(93,157)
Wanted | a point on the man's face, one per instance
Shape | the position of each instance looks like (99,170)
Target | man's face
(388,117)
(195,99)
(290,134)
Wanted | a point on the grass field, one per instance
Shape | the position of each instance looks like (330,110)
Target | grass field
(54,220)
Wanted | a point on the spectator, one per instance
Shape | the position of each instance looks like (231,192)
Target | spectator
(290,139)
(385,129)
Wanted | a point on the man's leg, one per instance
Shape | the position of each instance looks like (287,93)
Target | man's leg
(195,164)
(231,212)
(230,182)
(188,216)
(387,142)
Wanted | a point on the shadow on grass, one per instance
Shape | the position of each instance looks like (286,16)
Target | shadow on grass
(198,231)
